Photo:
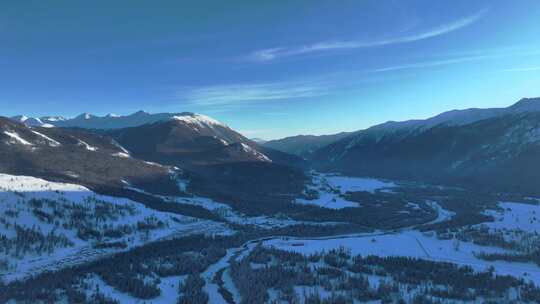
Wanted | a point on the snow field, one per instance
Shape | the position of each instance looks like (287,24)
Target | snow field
(330,187)
(412,244)
(516,216)
(17,191)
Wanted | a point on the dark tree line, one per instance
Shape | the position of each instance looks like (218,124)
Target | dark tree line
(191,291)
(124,271)
(345,277)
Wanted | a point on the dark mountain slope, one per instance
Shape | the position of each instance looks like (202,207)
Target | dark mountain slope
(306,145)
(219,162)
(78,157)
(500,153)
(252,187)
(184,142)
(194,140)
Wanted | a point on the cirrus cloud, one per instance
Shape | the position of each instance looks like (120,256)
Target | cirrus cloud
(270,54)
(249,93)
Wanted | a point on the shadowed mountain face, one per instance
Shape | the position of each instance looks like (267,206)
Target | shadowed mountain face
(180,142)
(219,162)
(493,153)
(195,140)
(78,157)
(251,187)
(306,145)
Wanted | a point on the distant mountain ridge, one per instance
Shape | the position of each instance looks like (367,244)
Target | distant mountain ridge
(463,117)
(306,145)
(489,148)
(172,138)
(109,121)
(260,141)
(30,121)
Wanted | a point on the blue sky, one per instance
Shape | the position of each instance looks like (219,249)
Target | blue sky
(269,68)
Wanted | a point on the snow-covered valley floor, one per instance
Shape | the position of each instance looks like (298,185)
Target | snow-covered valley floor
(511,216)
(415,244)
(27,205)
(330,187)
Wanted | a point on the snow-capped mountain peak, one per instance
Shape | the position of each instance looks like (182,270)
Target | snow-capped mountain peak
(462,117)
(52,118)
(20,118)
(114,121)
(29,121)
(85,116)
(197,119)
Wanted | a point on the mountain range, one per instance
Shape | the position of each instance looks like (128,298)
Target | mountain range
(486,148)
(212,159)
(491,148)
(90,121)
(305,145)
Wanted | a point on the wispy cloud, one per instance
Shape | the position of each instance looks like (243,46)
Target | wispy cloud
(525,69)
(276,113)
(428,64)
(278,52)
(241,94)
(475,56)
(226,97)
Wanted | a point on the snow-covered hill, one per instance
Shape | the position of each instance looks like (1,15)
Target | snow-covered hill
(74,156)
(46,225)
(30,121)
(187,139)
